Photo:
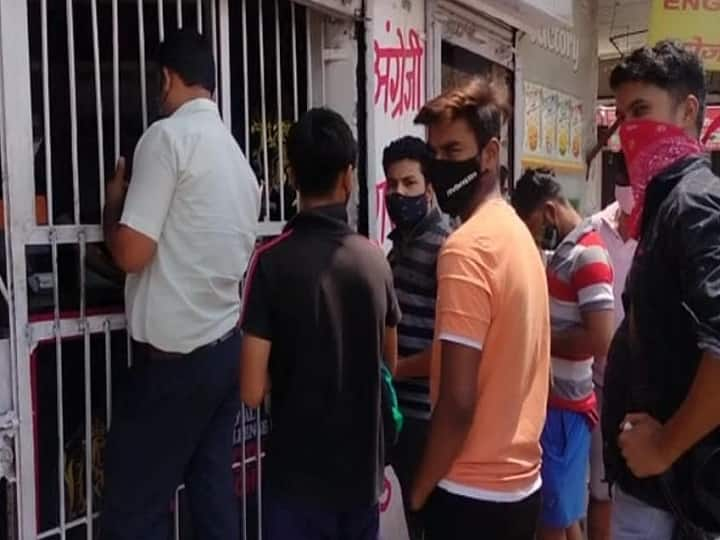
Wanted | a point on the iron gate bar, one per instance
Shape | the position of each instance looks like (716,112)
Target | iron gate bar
(243,471)
(58,384)
(199,8)
(280,137)
(141,61)
(213,29)
(70,20)
(108,374)
(87,389)
(179,14)
(308,52)
(224,51)
(161,20)
(17,168)
(116,80)
(263,112)
(258,454)
(322,62)
(246,97)
(98,102)
(294,61)
(46,113)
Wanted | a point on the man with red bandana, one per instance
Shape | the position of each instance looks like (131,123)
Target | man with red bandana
(662,401)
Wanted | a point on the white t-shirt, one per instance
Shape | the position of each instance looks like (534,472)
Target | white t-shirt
(621,255)
(195,194)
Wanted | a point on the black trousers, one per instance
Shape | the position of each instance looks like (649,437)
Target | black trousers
(288,519)
(406,457)
(172,423)
(451,517)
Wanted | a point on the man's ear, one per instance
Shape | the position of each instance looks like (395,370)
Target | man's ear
(690,114)
(490,156)
(429,192)
(167,79)
(348,179)
(550,213)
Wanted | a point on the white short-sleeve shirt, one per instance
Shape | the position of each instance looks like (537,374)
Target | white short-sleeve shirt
(195,194)
(621,255)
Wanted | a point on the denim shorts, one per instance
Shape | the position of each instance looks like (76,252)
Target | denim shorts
(566,451)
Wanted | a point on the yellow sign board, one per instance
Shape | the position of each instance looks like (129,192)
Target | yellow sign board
(696,23)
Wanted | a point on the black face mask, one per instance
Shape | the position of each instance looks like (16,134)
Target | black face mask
(455,182)
(404,211)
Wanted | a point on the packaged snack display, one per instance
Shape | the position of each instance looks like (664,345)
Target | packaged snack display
(563,126)
(549,121)
(533,110)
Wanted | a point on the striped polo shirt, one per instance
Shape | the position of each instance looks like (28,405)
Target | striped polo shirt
(580,280)
(413,259)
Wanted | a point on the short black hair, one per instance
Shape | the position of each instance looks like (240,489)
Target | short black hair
(534,188)
(412,148)
(669,66)
(320,146)
(190,55)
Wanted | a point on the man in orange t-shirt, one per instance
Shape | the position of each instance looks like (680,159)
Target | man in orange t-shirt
(480,476)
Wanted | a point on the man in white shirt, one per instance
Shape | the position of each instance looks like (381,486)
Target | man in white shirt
(183,233)
(612,224)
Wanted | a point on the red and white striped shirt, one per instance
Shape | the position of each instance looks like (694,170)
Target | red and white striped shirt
(580,280)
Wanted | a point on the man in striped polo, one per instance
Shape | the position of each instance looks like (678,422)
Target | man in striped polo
(580,281)
(420,230)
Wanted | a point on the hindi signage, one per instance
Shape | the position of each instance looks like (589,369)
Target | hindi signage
(398,72)
(693,22)
(398,59)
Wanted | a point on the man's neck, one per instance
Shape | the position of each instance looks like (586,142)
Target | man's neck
(482,196)
(191,95)
(310,203)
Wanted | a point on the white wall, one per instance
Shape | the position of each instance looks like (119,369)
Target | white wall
(396,90)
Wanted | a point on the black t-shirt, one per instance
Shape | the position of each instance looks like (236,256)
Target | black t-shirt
(323,296)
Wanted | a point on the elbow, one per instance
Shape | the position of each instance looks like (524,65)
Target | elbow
(393,365)
(128,265)
(461,412)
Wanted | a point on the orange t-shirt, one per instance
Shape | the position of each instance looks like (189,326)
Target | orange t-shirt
(492,295)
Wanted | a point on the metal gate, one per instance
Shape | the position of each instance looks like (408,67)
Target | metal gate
(76,92)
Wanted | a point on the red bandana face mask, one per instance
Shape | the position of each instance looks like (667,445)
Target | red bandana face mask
(650,148)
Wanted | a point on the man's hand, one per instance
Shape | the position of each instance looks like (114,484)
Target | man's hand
(642,446)
(131,250)
(116,187)
(417,500)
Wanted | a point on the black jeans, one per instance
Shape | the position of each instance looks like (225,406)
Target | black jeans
(452,517)
(172,423)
